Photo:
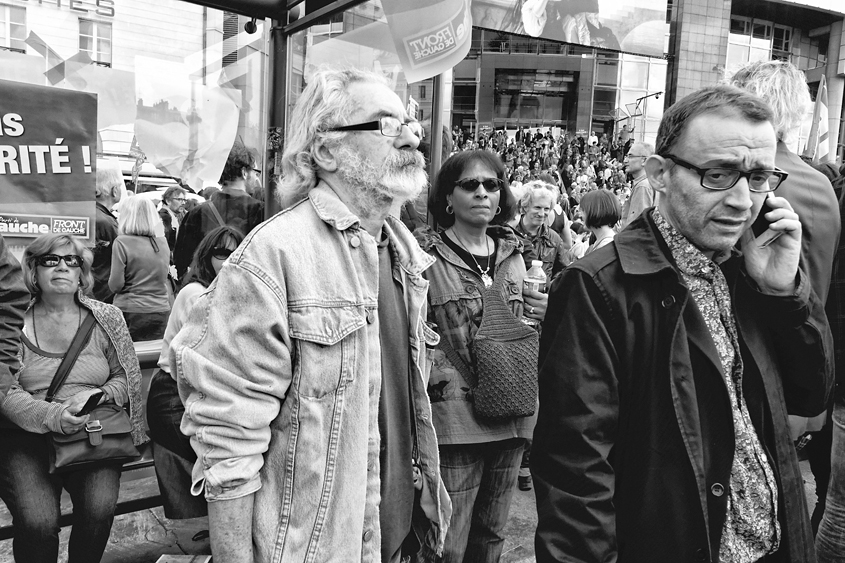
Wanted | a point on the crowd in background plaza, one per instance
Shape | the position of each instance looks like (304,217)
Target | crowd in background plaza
(577,163)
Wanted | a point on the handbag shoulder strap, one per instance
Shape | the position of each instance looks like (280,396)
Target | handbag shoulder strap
(71,355)
(216,213)
(456,360)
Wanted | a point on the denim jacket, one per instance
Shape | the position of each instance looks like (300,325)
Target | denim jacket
(279,368)
(456,309)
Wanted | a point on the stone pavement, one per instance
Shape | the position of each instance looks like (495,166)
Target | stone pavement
(142,537)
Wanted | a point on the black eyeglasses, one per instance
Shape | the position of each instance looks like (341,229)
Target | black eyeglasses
(471,184)
(388,125)
(221,253)
(52,260)
(759,181)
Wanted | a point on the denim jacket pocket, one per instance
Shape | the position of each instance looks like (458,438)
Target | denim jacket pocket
(460,286)
(323,344)
(512,287)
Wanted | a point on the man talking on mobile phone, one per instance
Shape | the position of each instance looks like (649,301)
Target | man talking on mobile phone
(670,359)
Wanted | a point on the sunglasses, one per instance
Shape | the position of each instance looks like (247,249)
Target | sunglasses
(52,260)
(471,184)
(221,253)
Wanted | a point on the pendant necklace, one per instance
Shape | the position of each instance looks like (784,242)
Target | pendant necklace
(485,273)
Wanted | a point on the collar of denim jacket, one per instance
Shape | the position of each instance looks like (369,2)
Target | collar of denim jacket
(331,209)
(407,251)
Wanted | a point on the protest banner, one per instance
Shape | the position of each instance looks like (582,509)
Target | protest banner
(430,36)
(48,139)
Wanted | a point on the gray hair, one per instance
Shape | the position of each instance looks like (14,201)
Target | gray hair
(325,103)
(536,186)
(647,147)
(107,177)
(783,87)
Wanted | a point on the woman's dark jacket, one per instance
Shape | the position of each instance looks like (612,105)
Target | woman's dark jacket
(634,442)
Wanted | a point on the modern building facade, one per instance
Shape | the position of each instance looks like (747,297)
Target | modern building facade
(709,38)
(511,80)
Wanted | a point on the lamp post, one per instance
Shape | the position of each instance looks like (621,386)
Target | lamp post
(640,109)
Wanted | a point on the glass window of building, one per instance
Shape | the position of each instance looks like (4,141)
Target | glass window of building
(607,72)
(176,84)
(533,97)
(756,40)
(635,74)
(12,28)
(781,42)
(740,25)
(95,40)
(604,103)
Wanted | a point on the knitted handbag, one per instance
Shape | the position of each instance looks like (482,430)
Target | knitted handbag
(504,378)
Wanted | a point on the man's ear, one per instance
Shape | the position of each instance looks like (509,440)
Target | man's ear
(657,170)
(324,157)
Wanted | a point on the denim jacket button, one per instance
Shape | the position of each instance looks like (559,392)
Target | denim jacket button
(371,316)
(355,242)
(668,301)
(717,489)
(368,535)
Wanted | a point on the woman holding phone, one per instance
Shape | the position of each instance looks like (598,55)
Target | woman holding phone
(57,270)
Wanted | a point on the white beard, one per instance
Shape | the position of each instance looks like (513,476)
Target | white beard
(401,178)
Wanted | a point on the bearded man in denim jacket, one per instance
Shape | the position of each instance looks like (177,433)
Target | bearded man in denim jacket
(303,367)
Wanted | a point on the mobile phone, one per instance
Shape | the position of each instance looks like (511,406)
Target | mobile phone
(761,226)
(89,405)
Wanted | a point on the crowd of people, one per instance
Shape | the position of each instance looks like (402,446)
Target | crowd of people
(335,387)
(576,163)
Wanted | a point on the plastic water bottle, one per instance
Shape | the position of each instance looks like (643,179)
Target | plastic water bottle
(535,280)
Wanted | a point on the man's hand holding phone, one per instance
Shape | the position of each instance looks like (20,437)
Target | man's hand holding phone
(771,258)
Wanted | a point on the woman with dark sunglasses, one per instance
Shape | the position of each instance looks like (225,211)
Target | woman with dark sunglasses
(479,458)
(57,272)
(174,457)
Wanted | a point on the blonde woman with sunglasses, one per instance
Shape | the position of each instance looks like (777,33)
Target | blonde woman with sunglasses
(57,272)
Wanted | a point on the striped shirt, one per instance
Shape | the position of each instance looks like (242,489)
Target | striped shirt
(98,366)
